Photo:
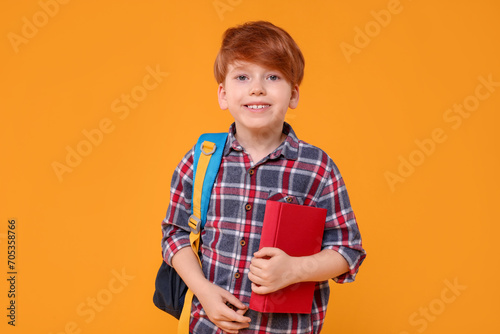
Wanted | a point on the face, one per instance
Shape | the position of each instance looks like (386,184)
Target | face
(257,97)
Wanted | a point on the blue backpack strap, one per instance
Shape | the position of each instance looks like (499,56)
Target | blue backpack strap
(213,168)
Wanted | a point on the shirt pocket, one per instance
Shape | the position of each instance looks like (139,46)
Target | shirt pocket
(286,198)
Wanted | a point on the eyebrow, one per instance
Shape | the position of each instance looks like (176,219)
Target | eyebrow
(238,68)
(243,68)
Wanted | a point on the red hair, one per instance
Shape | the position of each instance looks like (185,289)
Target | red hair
(262,43)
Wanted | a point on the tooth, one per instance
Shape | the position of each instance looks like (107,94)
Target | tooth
(257,106)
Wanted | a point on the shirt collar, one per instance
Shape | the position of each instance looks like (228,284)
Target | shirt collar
(289,148)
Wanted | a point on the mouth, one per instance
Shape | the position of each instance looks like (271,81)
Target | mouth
(257,107)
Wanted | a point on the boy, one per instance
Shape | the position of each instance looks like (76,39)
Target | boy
(259,69)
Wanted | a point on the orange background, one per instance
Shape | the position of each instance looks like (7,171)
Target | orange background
(435,226)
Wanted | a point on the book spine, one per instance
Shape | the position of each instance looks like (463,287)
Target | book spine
(268,239)
(270,228)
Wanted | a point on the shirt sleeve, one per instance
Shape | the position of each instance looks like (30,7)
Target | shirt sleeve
(341,229)
(175,226)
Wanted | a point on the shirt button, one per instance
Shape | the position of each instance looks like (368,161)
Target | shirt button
(237,275)
(289,199)
(251,172)
(248,207)
(243,242)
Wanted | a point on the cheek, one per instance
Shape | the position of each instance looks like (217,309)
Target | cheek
(232,95)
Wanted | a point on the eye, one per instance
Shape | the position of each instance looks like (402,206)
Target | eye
(273,77)
(241,77)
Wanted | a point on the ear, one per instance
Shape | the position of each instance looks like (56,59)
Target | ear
(221,92)
(294,98)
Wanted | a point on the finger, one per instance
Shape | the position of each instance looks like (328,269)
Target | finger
(266,252)
(240,318)
(260,263)
(256,268)
(260,289)
(229,297)
(234,317)
(252,277)
(230,316)
(255,262)
(231,327)
(226,330)
(255,279)
(241,312)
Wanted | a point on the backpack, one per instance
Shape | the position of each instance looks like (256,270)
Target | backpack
(171,293)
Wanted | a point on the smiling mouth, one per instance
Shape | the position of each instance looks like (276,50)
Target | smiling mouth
(257,106)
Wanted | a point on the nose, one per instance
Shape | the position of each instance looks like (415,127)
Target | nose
(257,88)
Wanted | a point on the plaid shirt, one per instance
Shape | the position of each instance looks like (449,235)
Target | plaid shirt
(231,235)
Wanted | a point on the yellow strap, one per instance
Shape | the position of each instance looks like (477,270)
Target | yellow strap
(207,150)
(183,326)
(200,176)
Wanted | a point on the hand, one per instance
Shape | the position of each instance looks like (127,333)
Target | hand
(271,269)
(213,299)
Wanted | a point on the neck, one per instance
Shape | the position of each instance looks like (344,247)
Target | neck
(259,143)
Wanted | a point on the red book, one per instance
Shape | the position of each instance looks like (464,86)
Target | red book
(298,231)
